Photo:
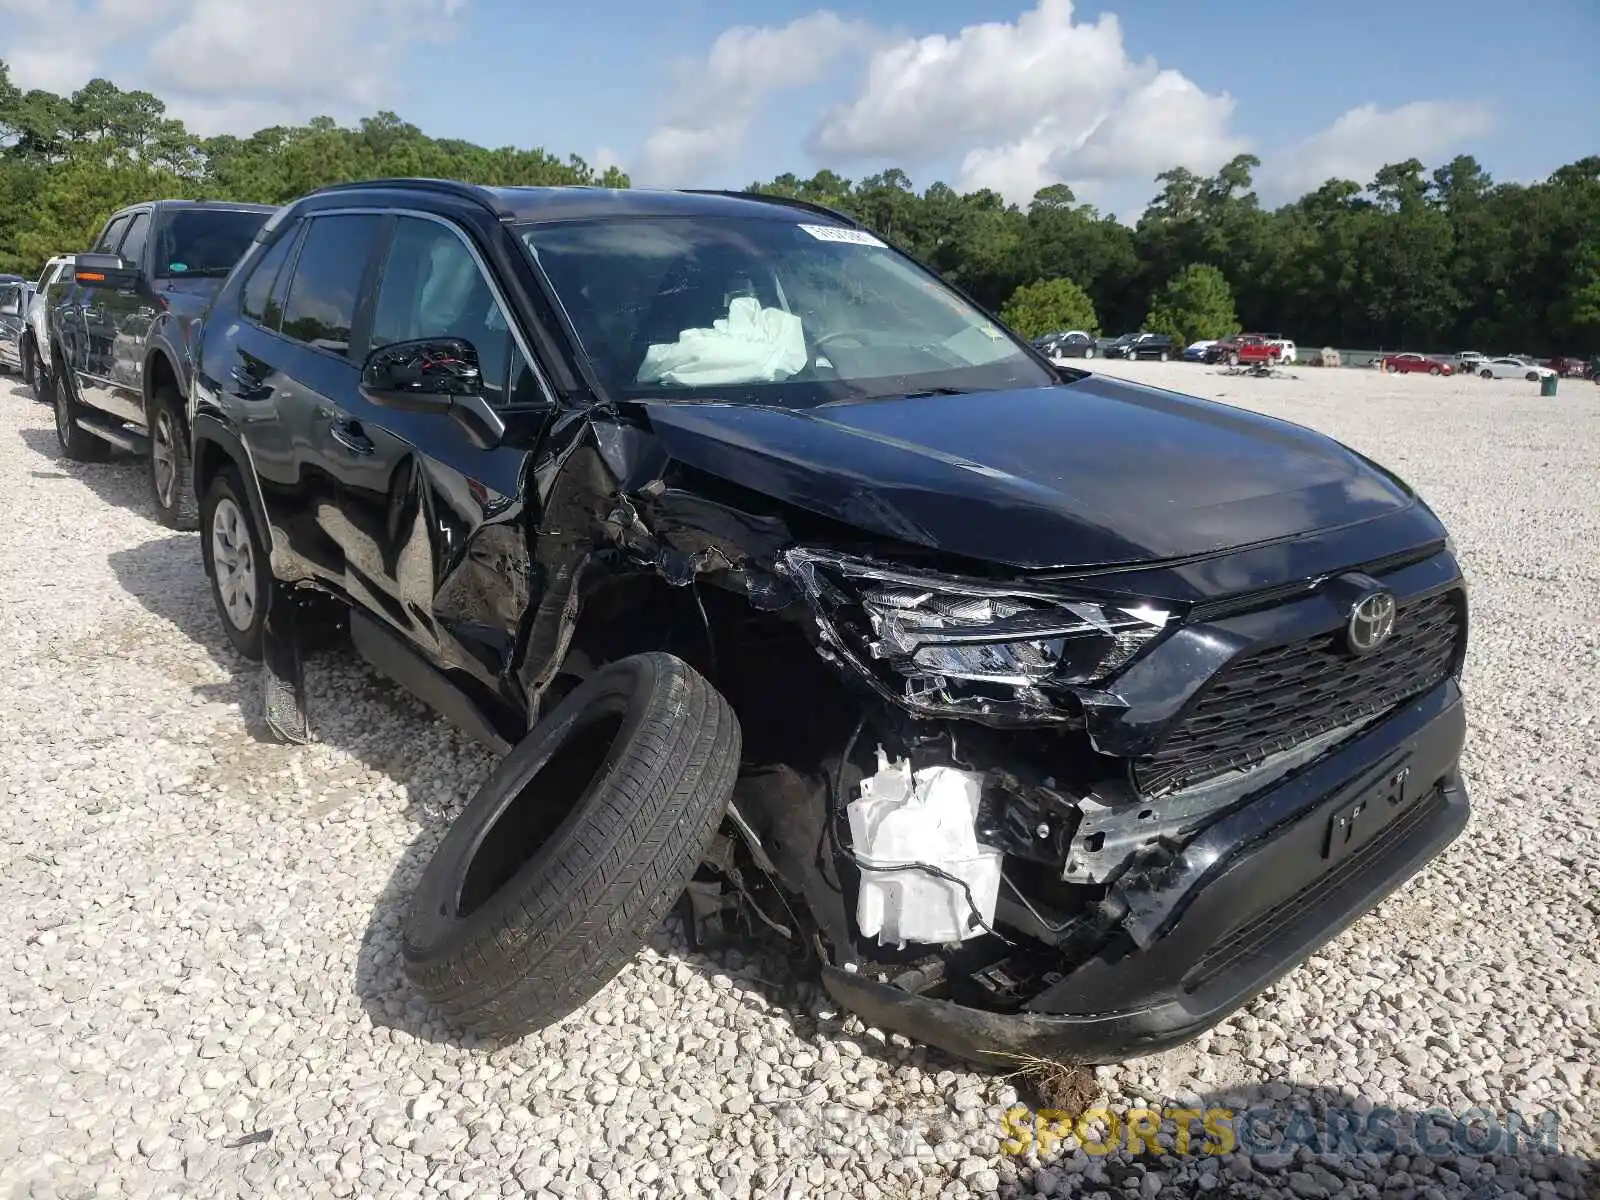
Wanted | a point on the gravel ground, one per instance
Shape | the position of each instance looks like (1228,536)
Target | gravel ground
(200,993)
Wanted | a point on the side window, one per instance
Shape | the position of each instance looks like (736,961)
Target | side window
(433,287)
(255,301)
(138,233)
(323,295)
(113,232)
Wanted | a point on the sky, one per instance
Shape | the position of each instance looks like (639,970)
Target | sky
(1010,94)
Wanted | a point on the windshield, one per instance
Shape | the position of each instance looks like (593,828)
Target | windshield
(205,241)
(764,311)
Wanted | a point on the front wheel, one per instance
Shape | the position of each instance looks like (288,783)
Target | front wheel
(237,562)
(555,873)
(1532,377)
(1435,371)
(171,475)
(1485,374)
(1233,360)
(1163,356)
(1089,353)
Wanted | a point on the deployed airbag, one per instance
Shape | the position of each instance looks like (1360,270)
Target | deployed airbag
(751,344)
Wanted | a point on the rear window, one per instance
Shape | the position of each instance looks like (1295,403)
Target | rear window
(204,241)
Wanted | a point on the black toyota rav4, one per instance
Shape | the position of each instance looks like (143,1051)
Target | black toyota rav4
(1044,712)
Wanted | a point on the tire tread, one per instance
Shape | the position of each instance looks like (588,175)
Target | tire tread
(626,856)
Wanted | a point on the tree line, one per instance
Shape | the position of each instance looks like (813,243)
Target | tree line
(1414,258)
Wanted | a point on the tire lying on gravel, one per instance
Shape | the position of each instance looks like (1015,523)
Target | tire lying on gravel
(559,869)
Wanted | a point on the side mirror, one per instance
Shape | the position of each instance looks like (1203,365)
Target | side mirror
(422,376)
(434,375)
(104,270)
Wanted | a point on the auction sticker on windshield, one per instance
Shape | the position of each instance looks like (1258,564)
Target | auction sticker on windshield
(836,233)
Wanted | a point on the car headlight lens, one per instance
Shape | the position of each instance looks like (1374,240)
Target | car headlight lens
(948,645)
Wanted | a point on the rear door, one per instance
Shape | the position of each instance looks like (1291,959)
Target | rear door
(451,570)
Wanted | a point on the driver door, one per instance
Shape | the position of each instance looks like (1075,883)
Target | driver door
(447,515)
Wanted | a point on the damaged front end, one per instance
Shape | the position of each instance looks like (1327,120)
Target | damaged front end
(1000,862)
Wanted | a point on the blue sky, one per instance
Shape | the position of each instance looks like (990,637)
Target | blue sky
(1008,95)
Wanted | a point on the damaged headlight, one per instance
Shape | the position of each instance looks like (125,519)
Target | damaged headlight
(958,646)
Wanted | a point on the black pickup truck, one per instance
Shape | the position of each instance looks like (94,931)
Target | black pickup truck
(119,329)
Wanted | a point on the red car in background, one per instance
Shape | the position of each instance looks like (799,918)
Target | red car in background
(1407,364)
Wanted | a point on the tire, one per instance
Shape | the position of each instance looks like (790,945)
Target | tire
(39,376)
(1089,353)
(639,761)
(233,551)
(1233,360)
(25,352)
(1532,377)
(1435,371)
(76,443)
(1485,374)
(1163,356)
(171,472)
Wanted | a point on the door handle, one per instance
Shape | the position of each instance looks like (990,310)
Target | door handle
(349,435)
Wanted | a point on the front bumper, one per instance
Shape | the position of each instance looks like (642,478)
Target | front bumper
(1252,896)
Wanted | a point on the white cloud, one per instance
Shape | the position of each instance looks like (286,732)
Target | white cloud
(1044,99)
(332,52)
(1166,122)
(1368,137)
(229,65)
(715,98)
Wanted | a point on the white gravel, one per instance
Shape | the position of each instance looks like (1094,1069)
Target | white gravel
(199,993)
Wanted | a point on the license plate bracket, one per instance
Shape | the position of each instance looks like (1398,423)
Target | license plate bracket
(1358,818)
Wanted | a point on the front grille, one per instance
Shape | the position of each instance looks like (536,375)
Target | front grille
(1272,700)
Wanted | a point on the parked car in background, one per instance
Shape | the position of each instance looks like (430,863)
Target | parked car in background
(1074,343)
(1250,350)
(15,292)
(119,335)
(1158,346)
(35,335)
(1411,364)
(1513,368)
(1569,367)
(1196,351)
(1094,686)
(1469,362)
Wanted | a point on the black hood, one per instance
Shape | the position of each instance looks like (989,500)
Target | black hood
(1086,474)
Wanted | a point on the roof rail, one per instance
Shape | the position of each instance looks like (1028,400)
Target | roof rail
(448,187)
(787,201)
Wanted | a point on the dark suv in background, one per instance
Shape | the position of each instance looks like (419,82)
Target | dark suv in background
(118,329)
(1158,346)
(765,555)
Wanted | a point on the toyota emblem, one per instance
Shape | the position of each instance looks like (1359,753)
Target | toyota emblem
(1371,622)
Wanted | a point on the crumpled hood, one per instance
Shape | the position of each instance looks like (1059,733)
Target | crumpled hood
(1085,474)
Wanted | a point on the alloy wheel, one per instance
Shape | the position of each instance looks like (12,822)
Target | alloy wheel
(163,458)
(233,563)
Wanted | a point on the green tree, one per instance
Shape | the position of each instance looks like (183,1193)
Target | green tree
(1196,304)
(1048,305)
